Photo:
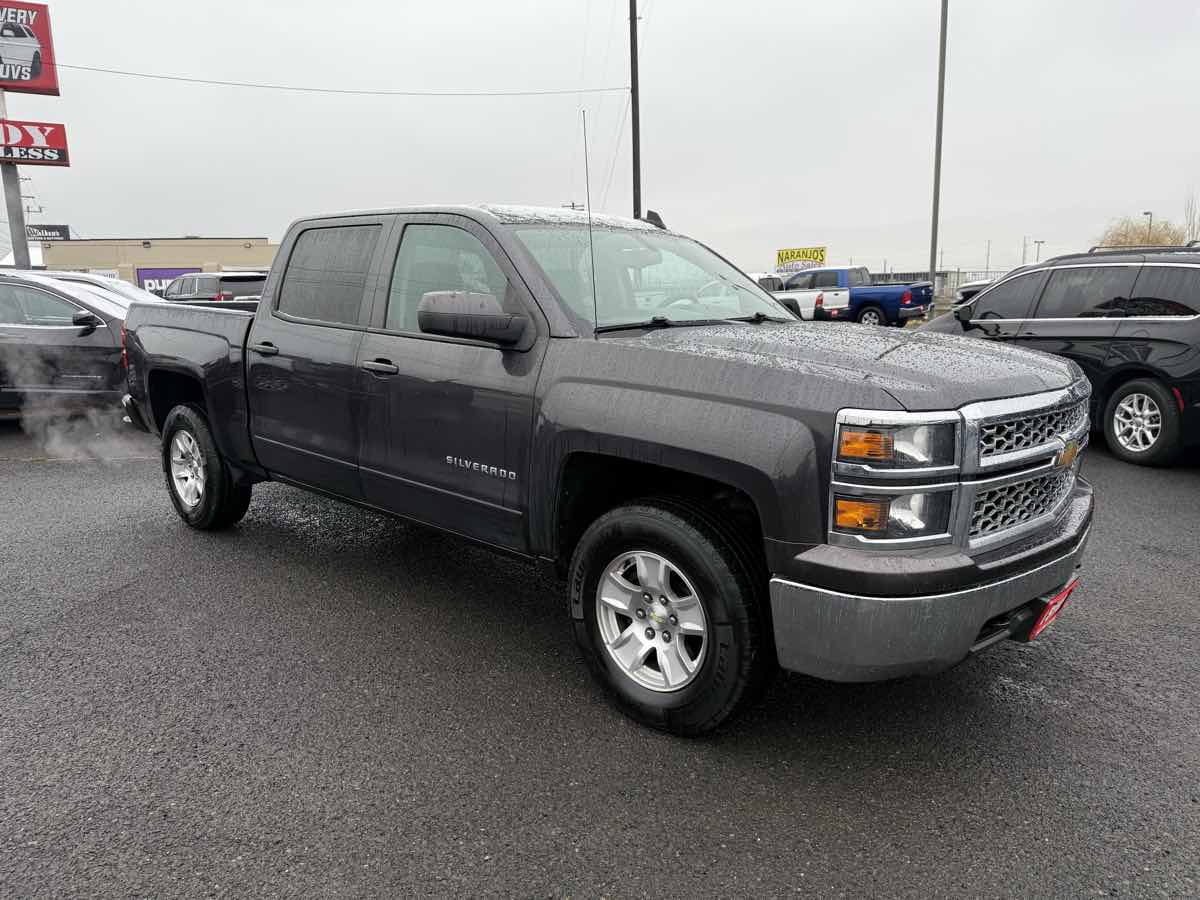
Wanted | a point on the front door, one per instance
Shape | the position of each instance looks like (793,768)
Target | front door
(301,360)
(1078,314)
(44,358)
(999,312)
(448,421)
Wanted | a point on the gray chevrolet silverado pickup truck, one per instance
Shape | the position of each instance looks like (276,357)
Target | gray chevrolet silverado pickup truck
(724,488)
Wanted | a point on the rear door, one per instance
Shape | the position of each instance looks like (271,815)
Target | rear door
(302,374)
(999,312)
(1160,325)
(449,421)
(1079,312)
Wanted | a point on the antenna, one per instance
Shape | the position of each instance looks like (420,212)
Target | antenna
(587,186)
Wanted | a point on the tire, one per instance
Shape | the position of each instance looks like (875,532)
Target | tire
(1141,423)
(35,67)
(731,661)
(871,315)
(190,456)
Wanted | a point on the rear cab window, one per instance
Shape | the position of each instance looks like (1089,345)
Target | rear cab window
(825,279)
(242,286)
(326,276)
(858,278)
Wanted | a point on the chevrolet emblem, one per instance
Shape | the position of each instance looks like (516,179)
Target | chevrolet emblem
(1067,456)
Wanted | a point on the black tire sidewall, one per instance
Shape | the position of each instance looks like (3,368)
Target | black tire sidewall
(216,478)
(710,696)
(1167,446)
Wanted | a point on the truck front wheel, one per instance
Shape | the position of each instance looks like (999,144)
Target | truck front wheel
(668,616)
(199,481)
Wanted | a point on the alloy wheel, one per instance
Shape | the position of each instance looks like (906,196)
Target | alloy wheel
(652,621)
(187,469)
(1137,422)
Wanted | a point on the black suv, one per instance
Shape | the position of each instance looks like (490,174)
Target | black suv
(1129,317)
(216,286)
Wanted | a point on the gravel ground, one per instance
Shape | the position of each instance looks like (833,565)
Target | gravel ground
(322,702)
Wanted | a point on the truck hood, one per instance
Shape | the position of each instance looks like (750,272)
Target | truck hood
(920,370)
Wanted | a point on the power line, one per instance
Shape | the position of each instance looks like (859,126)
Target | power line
(354,91)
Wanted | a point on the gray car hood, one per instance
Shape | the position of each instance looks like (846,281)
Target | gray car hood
(920,370)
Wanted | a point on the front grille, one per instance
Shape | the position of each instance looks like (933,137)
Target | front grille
(1032,430)
(1007,507)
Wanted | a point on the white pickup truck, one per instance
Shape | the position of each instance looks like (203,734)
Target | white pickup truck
(812,301)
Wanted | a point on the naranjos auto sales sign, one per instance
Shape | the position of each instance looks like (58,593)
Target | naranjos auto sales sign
(794,259)
(33,143)
(27,49)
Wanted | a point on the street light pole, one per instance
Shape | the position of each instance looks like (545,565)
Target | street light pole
(1149,224)
(937,147)
(636,129)
(1038,245)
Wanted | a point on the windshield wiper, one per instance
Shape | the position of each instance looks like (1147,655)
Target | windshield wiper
(659,322)
(757,318)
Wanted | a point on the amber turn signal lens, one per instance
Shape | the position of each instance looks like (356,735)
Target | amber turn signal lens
(861,443)
(853,514)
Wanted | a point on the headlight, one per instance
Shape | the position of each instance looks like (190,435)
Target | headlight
(917,446)
(893,516)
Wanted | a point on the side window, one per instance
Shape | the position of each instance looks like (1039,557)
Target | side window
(1086,292)
(858,278)
(187,286)
(42,308)
(439,258)
(327,273)
(206,285)
(825,279)
(1165,291)
(174,289)
(11,312)
(1011,299)
(28,32)
(801,282)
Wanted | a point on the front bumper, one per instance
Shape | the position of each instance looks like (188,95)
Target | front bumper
(841,635)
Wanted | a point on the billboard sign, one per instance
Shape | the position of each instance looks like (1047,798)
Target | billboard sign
(33,143)
(48,232)
(27,49)
(793,259)
(156,280)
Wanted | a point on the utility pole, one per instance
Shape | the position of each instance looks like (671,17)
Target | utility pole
(1149,225)
(634,110)
(12,203)
(937,147)
(1024,247)
(987,263)
(942,263)
(1038,246)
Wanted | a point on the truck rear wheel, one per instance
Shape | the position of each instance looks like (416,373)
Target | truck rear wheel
(199,481)
(668,616)
(871,315)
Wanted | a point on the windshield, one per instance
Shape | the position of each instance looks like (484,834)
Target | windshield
(640,275)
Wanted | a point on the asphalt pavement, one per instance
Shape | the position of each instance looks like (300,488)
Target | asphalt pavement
(323,702)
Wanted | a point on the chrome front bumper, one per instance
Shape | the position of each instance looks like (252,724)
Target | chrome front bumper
(848,637)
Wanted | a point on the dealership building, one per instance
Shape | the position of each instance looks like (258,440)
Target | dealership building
(150,262)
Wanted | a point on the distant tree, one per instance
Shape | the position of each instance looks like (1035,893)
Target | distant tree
(1191,217)
(1132,230)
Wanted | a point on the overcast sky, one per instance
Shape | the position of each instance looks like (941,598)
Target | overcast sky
(764,124)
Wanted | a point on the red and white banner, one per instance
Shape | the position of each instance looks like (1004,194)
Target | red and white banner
(33,143)
(27,49)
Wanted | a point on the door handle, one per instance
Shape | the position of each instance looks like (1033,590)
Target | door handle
(266,348)
(382,366)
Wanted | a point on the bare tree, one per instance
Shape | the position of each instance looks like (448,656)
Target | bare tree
(1133,230)
(1191,217)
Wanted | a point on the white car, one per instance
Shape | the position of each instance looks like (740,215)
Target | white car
(19,46)
(800,293)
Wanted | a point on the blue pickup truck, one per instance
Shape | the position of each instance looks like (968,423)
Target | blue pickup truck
(871,304)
